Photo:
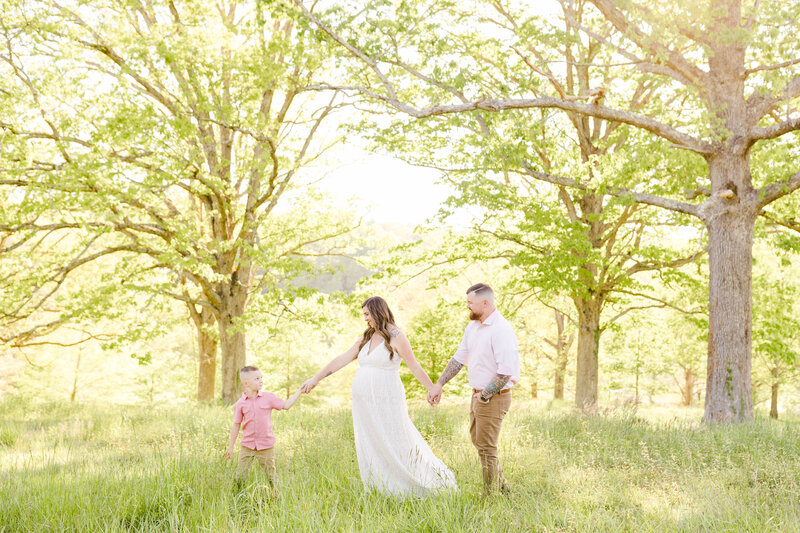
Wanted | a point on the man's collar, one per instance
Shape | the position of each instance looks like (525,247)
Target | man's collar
(491,318)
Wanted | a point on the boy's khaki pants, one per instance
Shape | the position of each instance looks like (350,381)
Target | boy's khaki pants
(266,458)
(485,420)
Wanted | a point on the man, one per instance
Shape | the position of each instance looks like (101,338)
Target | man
(489,349)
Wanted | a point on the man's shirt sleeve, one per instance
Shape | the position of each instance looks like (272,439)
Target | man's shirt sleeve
(506,351)
(462,353)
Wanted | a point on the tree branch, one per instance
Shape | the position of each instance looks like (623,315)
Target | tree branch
(645,267)
(595,110)
(644,198)
(647,43)
(373,65)
(772,192)
(761,104)
(792,224)
(777,66)
(662,303)
(18,339)
(774,131)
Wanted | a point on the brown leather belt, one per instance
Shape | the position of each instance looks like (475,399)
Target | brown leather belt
(501,392)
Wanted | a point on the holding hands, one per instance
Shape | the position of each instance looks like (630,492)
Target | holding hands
(435,394)
(309,384)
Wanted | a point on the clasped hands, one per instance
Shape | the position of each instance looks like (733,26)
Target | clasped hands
(435,394)
(308,384)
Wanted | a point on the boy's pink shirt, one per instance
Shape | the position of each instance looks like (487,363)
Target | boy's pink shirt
(255,416)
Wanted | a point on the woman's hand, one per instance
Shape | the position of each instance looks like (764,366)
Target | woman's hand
(309,384)
(435,394)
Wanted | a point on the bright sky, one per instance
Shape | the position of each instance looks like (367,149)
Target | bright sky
(391,190)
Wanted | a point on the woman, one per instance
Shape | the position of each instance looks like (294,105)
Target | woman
(392,456)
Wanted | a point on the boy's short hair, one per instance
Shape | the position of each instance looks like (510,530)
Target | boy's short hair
(247,370)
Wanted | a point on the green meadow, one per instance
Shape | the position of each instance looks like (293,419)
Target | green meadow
(187,188)
(66,467)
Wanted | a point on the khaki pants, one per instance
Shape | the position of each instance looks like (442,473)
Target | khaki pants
(485,420)
(265,458)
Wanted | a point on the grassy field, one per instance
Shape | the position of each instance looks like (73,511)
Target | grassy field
(111,468)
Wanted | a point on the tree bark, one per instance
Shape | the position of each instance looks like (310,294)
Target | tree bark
(773,404)
(562,351)
(558,383)
(729,215)
(588,348)
(687,392)
(207,357)
(589,305)
(203,319)
(232,339)
(730,220)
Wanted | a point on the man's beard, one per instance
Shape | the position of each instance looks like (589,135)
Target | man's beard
(474,316)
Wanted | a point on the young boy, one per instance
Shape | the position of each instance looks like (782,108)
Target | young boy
(253,413)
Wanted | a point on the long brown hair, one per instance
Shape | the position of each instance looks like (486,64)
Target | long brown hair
(383,318)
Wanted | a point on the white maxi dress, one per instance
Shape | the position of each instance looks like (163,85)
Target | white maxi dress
(393,458)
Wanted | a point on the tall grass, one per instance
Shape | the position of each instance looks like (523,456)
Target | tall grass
(110,468)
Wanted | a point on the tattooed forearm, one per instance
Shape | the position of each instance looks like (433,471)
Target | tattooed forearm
(495,386)
(452,368)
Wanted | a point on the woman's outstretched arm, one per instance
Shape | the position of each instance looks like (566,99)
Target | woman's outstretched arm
(338,362)
(403,347)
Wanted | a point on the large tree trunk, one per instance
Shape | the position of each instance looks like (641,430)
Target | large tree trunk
(730,221)
(588,349)
(562,346)
(589,306)
(206,357)
(232,339)
(730,216)
(203,319)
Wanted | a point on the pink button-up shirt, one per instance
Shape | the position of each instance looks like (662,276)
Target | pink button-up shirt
(488,349)
(255,416)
